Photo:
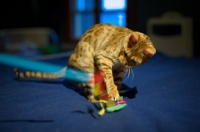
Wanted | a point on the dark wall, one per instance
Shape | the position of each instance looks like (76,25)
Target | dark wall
(155,8)
(32,13)
(15,14)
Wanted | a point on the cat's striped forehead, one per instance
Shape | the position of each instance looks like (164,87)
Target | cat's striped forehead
(106,33)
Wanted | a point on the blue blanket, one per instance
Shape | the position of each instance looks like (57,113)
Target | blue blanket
(163,95)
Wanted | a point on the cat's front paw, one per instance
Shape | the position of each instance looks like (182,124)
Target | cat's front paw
(113,93)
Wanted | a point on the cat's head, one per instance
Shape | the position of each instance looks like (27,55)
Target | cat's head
(138,50)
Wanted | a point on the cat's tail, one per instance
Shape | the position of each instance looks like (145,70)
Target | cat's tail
(43,75)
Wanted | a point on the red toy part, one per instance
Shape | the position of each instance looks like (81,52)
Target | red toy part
(120,101)
(99,87)
(101,94)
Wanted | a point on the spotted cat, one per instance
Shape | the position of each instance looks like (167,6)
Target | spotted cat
(111,49)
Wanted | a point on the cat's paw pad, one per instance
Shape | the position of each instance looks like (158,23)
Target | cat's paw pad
(114,94)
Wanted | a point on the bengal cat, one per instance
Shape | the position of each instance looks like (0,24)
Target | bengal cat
(111,49)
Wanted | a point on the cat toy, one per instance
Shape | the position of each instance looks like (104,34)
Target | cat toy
(16,61)
(103,98)
(71,74)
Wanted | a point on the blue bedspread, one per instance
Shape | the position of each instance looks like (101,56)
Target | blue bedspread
(164,95)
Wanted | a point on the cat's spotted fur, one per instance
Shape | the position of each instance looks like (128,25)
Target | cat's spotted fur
(112,50)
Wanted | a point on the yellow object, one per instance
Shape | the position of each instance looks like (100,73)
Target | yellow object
(97,89)
(102,111)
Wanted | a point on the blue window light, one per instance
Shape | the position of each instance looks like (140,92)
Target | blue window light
(82,21)
(85,5)
(83,16)
(116,18)
(111,11)
(110,5)
(81,5)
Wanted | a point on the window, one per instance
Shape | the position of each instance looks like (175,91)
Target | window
(83,16)
(113,12)
(85,13)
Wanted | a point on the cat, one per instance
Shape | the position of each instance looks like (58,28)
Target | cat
(111,49)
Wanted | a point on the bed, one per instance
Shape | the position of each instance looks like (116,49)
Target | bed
(163,95)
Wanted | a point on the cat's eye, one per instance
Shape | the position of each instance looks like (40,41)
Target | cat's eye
(125,53)
(133,61)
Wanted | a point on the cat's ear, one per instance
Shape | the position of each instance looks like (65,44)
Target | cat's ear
(133,40)
(149,52)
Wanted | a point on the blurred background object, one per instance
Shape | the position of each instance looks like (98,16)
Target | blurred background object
(70,19)
(171,34)
(29,41)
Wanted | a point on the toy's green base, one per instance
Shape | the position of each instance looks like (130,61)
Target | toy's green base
(115,108)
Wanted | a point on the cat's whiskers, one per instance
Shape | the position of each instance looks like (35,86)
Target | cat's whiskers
(129,73)
(127,76)
(132,74)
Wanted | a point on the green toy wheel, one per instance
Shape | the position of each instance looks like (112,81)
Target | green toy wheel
(115,108)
